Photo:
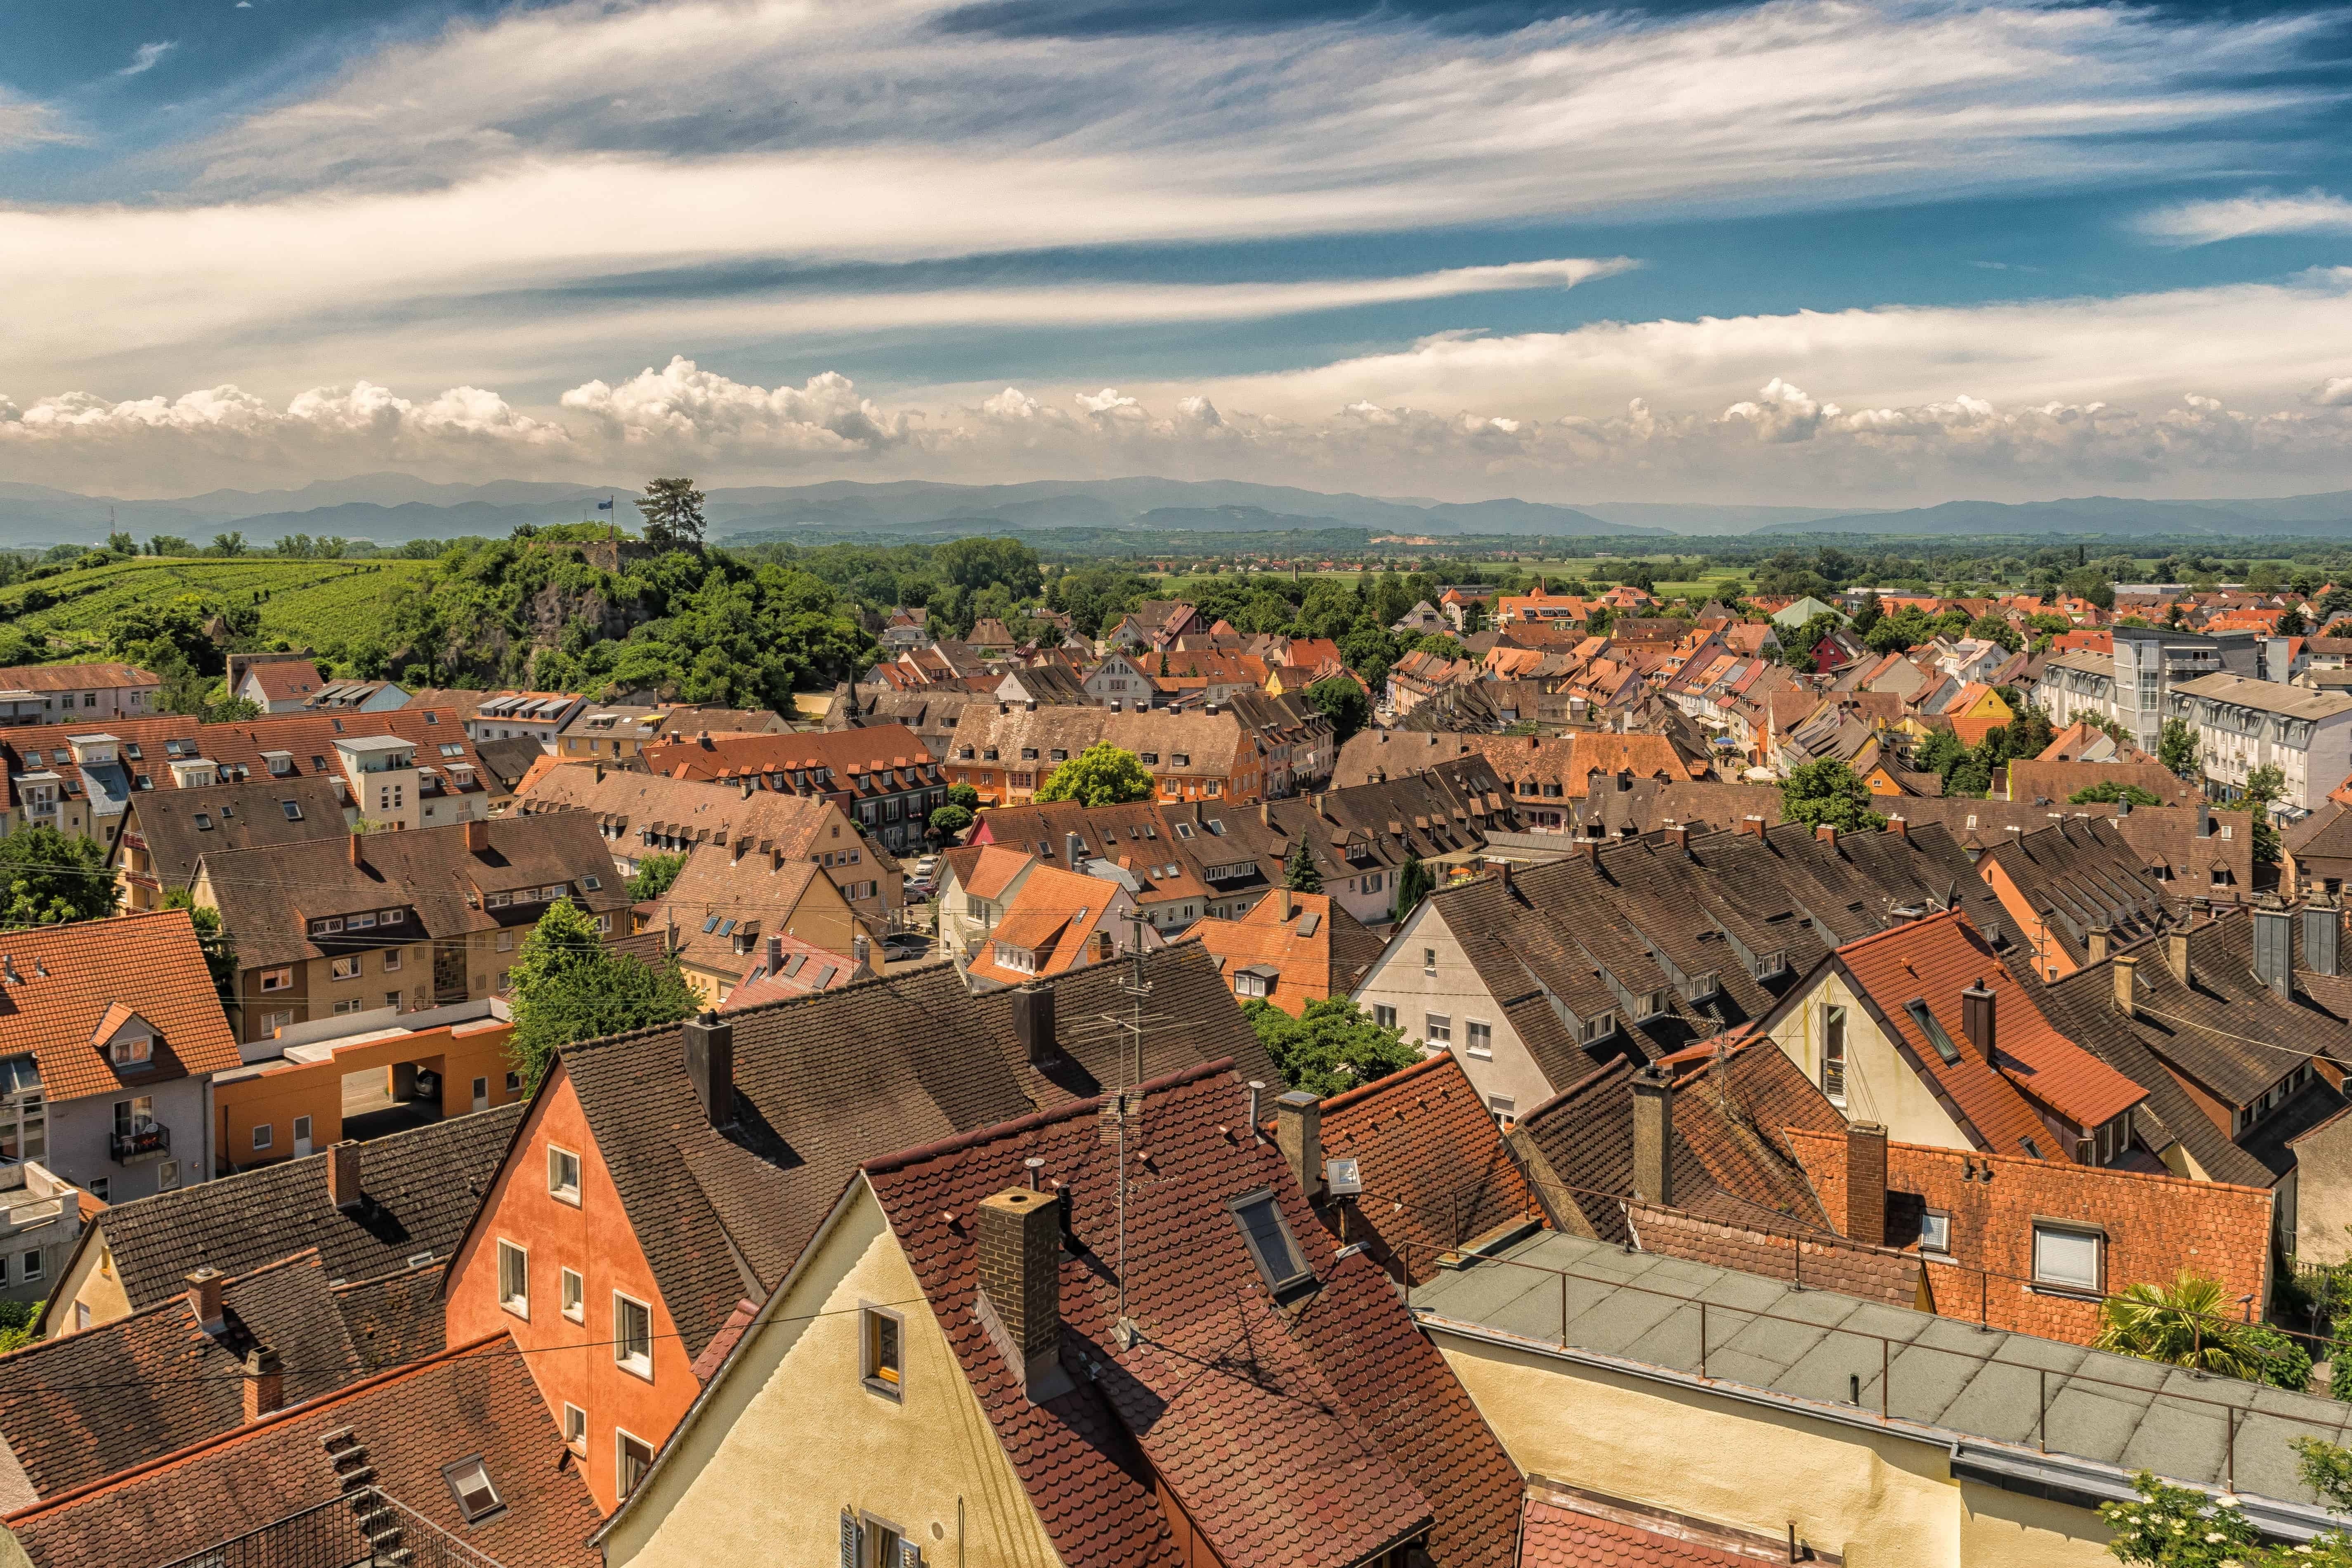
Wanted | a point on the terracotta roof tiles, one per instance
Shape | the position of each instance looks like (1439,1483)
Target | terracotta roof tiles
(64,981)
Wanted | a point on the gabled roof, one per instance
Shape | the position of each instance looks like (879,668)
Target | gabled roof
(234,816)
(1054,917)
(58,982)
(1436,1174)
(408,1424)
(286,680)
(78,1408)
(1310,942)
(1323,1431)
(422,1185)
(788,967)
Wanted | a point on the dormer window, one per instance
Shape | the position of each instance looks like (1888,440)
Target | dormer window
(1599,1027)
(132,1051)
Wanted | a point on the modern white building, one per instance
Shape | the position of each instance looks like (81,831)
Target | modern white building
(529,715)
(2243,724)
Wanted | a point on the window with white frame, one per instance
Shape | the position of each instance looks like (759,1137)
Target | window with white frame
(2066,1257)
(1384,1015)
(1437,1028)
(1935,1232)
(1479,1038)
(1833,1053)
(262,1135)
(575,1429)
(563,1175)
(514,1279)
(277,979)
(343,968)
(633,1457)
(881,1351)
(633,1336)
(575,1296)
(469,1482)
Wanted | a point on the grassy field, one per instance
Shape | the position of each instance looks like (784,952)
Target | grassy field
(306,602)
(1720,581)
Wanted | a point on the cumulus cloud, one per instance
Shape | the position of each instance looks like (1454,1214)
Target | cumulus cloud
(1780,440)
(2336,392)
(2258,212)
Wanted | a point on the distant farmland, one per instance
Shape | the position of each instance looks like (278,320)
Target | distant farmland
(310,603)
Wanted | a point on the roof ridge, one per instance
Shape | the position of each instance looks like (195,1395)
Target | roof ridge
(1364,1092)
(236,1434)
(883,1164)
(177,1298)
(2043,1165)
(1955,914)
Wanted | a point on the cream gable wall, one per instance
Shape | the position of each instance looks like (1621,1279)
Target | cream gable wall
(790,1436)
(1396,980)
(1879,1084)
(93,1281)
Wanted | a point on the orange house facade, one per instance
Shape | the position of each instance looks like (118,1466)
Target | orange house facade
(553,1260)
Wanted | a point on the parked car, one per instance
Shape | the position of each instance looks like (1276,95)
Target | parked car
(902,946)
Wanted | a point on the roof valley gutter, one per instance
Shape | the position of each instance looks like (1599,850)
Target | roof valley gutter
(2058,1478)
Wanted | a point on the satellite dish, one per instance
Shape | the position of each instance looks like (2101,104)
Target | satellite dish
(1342,1177)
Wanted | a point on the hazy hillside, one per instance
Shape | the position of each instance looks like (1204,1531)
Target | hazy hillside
(2315,514)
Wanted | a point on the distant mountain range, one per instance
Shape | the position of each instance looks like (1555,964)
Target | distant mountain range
(2329,513)
(393,508)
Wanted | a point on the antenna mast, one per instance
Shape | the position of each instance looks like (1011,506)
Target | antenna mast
(1136,987)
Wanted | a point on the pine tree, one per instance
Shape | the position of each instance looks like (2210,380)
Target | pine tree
(1298,872)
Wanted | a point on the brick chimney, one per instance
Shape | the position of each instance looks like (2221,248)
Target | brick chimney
(264,1383)
(1899,827)
(1865,1182)
(1678,838)
(1033,1024)
(1654,1121)
(478,837)
(710,1066)
(1299,1133)
(205,1299)
(1754,825)
(1976,1020)
(1826,834)
(2127,998)
(343,1176)
(1020,1300)
(359,851)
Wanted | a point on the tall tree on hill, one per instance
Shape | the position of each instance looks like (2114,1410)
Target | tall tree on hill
(673,512)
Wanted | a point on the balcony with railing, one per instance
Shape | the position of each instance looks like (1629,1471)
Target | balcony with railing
(139,1143)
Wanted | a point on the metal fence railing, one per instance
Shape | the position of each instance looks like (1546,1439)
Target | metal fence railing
(345,1533)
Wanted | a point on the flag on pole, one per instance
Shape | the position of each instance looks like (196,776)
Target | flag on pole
(605,505)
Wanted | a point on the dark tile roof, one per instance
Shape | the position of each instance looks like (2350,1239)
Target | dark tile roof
(397,1318)
(1436,1171)
(268,896)
(507,758)
(236,816)
(1820,1261)
(422,1187)
(1325,1424)
(78,1408)
(2083,875)
(477,1400)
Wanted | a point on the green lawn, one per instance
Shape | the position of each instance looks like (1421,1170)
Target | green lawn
(305,602)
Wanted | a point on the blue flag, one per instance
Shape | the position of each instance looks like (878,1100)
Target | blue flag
(605,505)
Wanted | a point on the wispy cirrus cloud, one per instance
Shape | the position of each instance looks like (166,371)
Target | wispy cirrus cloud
(2256,213)
(146,58)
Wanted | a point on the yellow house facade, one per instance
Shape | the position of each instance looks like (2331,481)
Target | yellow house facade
(796,1438)
(1826,1027)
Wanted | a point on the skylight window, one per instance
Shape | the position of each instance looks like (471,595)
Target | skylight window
(1917,1008)
(470,1484)
(1270,1243)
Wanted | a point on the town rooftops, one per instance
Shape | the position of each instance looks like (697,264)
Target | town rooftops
(1308,944)
(419,1190)
(1339,1434)
(178,828)
(65,990)
(403,1429)
(38,677)
(2030,1413)
(286,680)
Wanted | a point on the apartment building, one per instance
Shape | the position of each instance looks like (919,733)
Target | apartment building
(645,814)
(81,781)
(1006,751)
(406,921)
(110,1037)
(2243,724)
(617,732)
(538,716)
(167,832)
(881,775)
(78,693)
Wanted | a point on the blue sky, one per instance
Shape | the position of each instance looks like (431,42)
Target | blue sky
(1809,252)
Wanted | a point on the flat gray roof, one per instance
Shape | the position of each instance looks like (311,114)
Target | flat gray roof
(2267,696)
(1943,1373)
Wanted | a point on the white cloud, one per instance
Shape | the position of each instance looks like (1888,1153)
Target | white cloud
(146,58)
(2336,392)
(596,142)
(2258,212)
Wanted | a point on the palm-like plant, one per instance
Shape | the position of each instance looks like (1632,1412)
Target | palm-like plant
(2185,1323)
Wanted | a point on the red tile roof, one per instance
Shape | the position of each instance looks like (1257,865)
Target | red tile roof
(1435,1173)
(881,760)
(1315,947)
(286,680)
(1934,960)
(806,968)
(1321,1430)
(70,979)
(1555,1532)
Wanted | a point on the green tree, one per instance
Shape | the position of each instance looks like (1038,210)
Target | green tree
(2108,790)
(947,821)
(2264,787)
(673,512)
(2185,1323)
(2285,1363)
(16,1320)
(1993,628)
(2176,747)
(219,950)
(227,545)
(567,986)
(47,878)
(1298,872)
(1333,1047)
(122,543)
(170,544)
(1866,616)
(1826,791)
(964,795)
(654,876)
(1413,884)
(2181,1527)
(1341,701)
(1102,775)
